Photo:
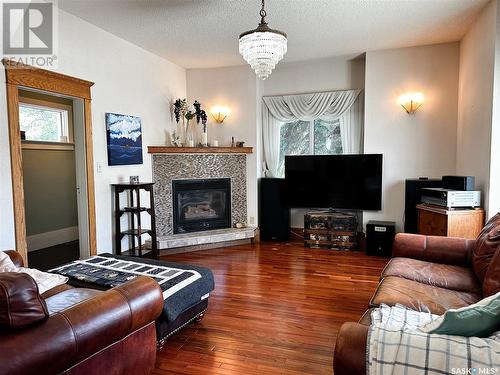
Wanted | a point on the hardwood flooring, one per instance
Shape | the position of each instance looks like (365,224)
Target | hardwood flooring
(276,309)
(50,257)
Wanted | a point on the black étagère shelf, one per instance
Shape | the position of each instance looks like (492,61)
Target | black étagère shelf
(134,209)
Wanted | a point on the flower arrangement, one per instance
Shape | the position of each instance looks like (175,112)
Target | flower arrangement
(183,110)
(201,115)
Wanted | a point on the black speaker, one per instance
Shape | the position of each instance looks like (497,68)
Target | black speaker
(274,220)
(380,237)
(413,196)
(466,183)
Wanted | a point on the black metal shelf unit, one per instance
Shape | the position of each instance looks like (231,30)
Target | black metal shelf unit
(135,210)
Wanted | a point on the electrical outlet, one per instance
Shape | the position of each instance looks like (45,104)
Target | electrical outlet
(252,220)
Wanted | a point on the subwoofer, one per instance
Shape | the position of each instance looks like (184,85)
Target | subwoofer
(274,220)
(380,237)
(413,196)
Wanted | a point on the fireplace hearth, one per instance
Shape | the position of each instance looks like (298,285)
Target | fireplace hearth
(201,204)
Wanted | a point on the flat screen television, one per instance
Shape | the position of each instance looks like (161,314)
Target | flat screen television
(334,181)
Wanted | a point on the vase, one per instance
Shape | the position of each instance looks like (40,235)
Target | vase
(180,132)
(204,136)
(190,134)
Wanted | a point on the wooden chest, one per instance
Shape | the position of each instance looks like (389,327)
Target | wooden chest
(331,229)
(440,221)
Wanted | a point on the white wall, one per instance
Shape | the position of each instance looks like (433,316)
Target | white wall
(336,73)
(235,87)
(423,144)
(7,237)
(475,103)
(127,80)
(494,191)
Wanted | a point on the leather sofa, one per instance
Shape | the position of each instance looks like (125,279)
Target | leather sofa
(77,331)
(426,273)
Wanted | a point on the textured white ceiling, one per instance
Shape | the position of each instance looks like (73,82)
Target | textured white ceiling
(204,33)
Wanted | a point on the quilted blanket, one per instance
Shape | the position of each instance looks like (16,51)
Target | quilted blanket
(396,346)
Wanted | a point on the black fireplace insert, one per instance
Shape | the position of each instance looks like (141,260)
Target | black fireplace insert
(200,205)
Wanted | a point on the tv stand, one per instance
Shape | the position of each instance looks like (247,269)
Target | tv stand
(330,229)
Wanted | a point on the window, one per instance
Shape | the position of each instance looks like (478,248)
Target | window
(316,137)
(44,124)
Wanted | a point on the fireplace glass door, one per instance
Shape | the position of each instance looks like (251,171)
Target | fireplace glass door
(200,205)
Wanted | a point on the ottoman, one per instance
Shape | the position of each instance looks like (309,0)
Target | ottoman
(186,288)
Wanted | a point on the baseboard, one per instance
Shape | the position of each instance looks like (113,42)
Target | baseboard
(48,239)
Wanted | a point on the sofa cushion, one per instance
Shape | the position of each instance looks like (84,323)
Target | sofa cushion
(441,275)
(68,298)
(420,297)
(491,284)
(55,290)
(485,247)
(366,319)
(20,303)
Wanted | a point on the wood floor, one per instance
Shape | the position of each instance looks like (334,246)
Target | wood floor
(50,257)
(276,309)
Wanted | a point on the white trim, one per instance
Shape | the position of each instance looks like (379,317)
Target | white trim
(56,146)
(48,239)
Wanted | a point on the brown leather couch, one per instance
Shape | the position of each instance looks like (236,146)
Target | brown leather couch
(427,273)
(77,331)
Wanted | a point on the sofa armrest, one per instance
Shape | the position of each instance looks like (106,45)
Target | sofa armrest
(350,349)
(16,258)
(447,250)
(72,335)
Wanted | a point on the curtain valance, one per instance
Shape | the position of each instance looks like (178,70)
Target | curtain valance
(326,106)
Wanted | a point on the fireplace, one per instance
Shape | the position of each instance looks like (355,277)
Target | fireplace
(200,205)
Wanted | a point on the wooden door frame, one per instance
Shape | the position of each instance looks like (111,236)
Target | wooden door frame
(24,76)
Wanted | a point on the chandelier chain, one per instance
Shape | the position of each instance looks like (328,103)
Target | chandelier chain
(263,13)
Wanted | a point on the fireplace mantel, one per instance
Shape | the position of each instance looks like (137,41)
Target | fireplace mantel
(199,150)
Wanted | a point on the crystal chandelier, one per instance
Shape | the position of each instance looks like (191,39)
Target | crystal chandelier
(263,47)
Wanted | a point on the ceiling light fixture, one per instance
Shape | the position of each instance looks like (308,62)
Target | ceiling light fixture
(263,47)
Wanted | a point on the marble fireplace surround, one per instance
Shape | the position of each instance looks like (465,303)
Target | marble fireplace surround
(171,166)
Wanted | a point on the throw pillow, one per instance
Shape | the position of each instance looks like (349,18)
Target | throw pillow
(20,302)
(44,280)
(6,263)
(479,320)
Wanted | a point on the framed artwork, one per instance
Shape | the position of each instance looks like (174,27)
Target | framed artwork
(124,137)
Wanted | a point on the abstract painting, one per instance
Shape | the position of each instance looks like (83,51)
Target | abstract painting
(124,137)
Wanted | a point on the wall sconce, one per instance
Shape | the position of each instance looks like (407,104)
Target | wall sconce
(219,113)
(411,102)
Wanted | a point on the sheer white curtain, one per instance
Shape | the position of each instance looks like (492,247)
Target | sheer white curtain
(351,128)
(327,106)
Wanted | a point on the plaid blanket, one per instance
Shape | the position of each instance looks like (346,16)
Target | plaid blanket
(395,346)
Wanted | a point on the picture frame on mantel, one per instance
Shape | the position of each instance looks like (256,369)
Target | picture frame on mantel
(124,139)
